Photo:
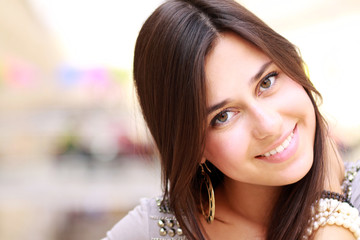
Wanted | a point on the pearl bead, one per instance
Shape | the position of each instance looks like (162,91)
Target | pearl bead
(334,209)
(354,212)
(331,220)
(346,210)
(357,234)
(322,221)
(313,210)
(347,223)
(339,221)
(322,206)
(333,204)
(353,228)
(316,225)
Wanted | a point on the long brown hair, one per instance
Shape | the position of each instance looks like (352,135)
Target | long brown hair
(169,77)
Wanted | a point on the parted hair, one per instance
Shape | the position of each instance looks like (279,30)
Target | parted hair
(169,76)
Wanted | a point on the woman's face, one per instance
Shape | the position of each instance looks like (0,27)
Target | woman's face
(261,123)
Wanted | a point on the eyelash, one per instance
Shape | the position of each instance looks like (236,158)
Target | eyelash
(268,76)
(214,122)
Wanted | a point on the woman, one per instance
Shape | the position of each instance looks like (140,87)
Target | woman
(234,118)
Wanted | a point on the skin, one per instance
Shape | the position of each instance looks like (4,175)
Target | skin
(249,115)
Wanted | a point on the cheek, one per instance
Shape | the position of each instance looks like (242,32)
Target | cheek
(294,97)
(225,148)
(296,101)
(302,108)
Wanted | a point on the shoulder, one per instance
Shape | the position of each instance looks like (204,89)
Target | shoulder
(147,221)
(134,225)
(351,183)
(333,232)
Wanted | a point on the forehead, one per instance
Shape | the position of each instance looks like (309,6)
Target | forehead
(232,51)
(232,63)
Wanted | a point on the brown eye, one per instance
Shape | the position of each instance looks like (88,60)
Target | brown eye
(222,117)
(266,83)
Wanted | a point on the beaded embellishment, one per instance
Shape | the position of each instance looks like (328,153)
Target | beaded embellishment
(167,223)
(337,196)
(336,209)
(350,175)
(333,212)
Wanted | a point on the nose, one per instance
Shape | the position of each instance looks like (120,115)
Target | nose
(265,121)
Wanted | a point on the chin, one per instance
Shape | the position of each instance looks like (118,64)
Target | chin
(297,174)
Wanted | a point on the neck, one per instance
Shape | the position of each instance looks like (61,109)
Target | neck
(247,201)
(334,171)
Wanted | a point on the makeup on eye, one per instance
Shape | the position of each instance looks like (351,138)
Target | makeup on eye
(267,82)
(264,83)
(223,117)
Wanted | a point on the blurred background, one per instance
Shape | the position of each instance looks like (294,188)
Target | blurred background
(74,153)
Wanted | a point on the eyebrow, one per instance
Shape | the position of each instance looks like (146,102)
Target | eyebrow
(253,79)
(261,71)
(217,106)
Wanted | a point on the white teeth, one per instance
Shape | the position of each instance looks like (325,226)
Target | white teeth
(281,147)
(286,143)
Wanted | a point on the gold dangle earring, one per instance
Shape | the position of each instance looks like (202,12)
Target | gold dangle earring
(210,215)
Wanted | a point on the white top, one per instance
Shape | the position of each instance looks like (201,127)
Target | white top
(148,222)
(145,222)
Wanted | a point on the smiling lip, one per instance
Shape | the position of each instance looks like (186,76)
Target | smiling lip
(285,154)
